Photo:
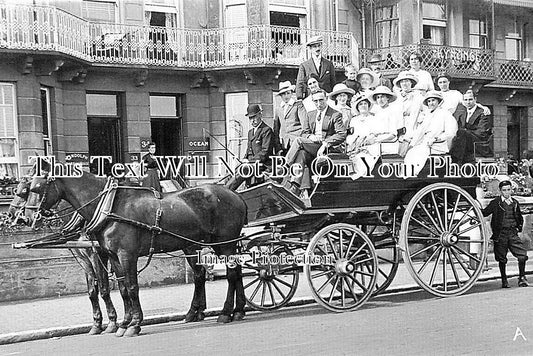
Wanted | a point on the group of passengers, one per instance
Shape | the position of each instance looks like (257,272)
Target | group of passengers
(366,116)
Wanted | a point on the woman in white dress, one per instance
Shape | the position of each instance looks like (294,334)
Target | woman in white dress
(389,115)
(433,134)
(342,95)
(425,82)
(365,135)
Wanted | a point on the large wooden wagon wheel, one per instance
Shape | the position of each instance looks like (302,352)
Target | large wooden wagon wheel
(269,283)
(386,245)
(341,267)
(443,239)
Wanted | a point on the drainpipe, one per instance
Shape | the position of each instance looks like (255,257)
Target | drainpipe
(363,24)
(493,39)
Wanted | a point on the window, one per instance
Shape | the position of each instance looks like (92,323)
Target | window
(434,22)
(166,114)
(513,46)
(8,131)
(387,21)
(103,121)
(47,126)
(99,11)
(478,33)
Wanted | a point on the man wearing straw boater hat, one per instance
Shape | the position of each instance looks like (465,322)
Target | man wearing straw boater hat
(317,64)
(287,118)
(260,145)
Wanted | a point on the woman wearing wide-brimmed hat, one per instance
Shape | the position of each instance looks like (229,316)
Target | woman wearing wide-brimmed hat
(387,114)
(342,95)
(433,134)
(365,135)
(368,80)
(409,104)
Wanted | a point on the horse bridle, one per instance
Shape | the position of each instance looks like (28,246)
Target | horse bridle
(40,210)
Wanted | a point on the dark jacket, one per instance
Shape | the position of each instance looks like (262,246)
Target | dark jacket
(497,210)
(479,124)
(288,125)
(260,145)
(333,130)
(326,77)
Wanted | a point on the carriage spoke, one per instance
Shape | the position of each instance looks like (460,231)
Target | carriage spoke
(467,239)
(349,246)
(424,249)
(256,289)
(358,283)
(271,293)
(428,260)
(444,276)
(363,272)
(435,267)
(423,238)
(424,225)
(252,282)
(341,242)
(437,211)
(362,261)
(282,282)
(263,294)
(469,228)
(333,289)
(354,255)
(430,217)
(332,247)
(475,258)
(323,273)
(452,230)
(319,290)
(385,259)
(283,296)
(445,209)
(455,274)
(461,263)
(354,295)
(343,295)
(456,205)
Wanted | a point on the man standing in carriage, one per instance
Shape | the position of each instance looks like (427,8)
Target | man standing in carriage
(260,146)
(287,118)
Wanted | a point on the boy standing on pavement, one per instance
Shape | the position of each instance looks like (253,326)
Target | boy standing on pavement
(506,222)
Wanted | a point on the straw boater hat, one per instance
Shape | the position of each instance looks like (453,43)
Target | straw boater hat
(314,40)
(339,89)
(405,75)
(433,94)
(384,90)
(285,87)
(375,58)
(375,78)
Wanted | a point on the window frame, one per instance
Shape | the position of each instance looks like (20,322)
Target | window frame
(47,139)
(14,159)
(390,21)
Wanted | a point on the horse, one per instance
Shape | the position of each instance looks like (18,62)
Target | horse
(143,221)
(92,262)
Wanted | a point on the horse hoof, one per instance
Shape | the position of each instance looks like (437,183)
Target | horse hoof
(238,316)
(224,319)
(120,332)
(95,330)
(111,328)
(132,331)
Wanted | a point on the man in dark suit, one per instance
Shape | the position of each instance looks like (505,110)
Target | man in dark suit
(260,146)
(287,119)
(322,133)
(473,125)
(317,64)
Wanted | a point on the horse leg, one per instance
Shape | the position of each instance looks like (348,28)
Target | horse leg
(198,304)
(240,299)
(119,273)
(225,315)
(129,264)
(105,294)
(92,290)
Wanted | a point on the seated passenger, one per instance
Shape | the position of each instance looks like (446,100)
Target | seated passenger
(387,114)
(287,119)
(342,95)
(322,133)
(312,87)
(368,79)
(365,136)
(433,133)
(474,126)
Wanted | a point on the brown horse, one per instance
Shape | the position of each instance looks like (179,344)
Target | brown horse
(140,221)
(92,262)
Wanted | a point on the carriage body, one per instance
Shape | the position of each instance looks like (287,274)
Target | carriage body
(364,225)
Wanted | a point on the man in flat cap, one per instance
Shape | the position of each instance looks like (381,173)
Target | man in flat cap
(287,118)
(318,65)
(260,146)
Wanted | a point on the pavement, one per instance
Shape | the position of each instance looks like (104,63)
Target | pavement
(69,315)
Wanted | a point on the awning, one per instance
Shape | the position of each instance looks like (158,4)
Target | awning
(521,3)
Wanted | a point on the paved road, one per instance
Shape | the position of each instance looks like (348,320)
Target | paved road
(483,322)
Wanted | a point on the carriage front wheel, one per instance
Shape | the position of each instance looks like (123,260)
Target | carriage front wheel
(443,239)
(341,267)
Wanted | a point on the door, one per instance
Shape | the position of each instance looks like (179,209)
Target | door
(104,140)
(516,131)
(237,125)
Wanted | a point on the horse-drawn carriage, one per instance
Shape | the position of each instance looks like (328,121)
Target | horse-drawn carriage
(349,235)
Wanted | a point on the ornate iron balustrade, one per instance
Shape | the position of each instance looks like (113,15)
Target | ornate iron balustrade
(456,61)
(42,28)
(514,73)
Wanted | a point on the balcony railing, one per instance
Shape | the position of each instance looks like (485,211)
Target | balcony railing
(514,73)
(42,28)
(456,61)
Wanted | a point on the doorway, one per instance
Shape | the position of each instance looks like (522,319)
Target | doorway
(516,131)
(104,140)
